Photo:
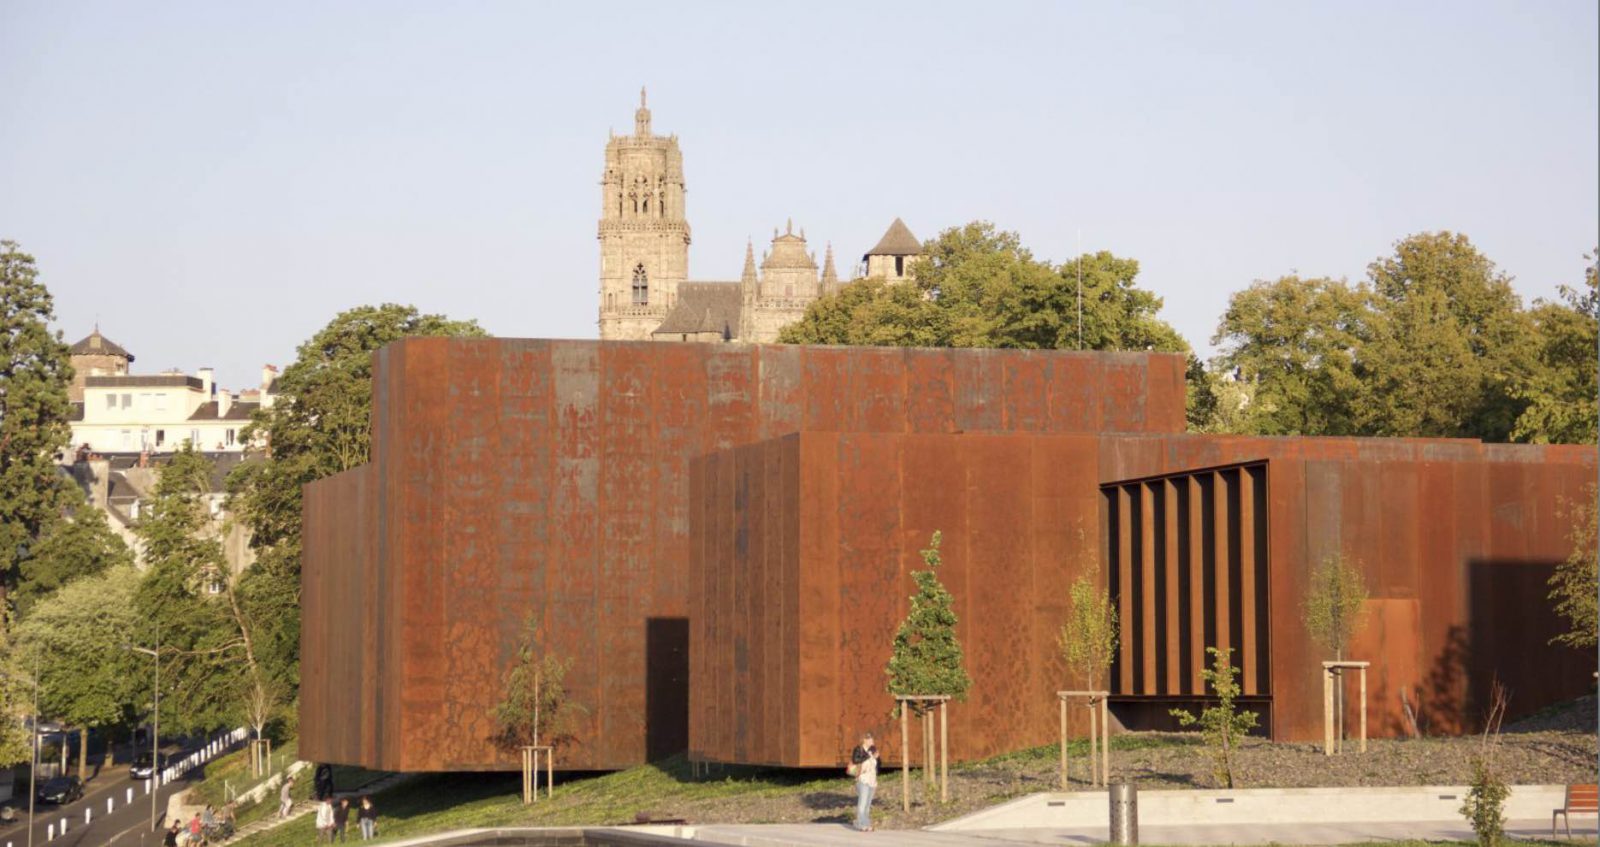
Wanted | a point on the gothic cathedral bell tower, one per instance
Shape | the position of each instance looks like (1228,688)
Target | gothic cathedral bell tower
(644,238)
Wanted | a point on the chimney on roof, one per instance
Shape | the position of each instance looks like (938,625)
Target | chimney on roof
(269,375)
(224,402)
(208,378)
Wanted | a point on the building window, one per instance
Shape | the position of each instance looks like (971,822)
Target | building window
(899,266)
(161,437)
(641,286)
(161,402)
(111,401)
(127,401)
(230,437)
(194,439)
(127,438)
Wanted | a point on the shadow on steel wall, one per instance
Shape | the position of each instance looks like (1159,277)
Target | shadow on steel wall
(666,687)
(1507,636)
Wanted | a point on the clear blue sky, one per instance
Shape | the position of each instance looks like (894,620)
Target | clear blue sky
(214,181)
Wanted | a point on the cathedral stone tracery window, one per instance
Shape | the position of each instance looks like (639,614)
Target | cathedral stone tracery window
(641,286)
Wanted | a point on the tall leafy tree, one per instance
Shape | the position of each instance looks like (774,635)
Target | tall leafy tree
(80,544)
(977,286)
(319,425)
(88,679)
(1296,342)
(34,412)
(1448,345)
(200,645)
(16,696)
(1560,391)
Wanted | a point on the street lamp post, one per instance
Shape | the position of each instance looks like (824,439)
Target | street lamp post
(33,768)
(155,725)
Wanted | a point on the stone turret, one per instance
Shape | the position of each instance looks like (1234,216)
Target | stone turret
(891,259)
(830,276)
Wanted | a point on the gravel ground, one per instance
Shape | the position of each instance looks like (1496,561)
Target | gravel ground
(1531,752)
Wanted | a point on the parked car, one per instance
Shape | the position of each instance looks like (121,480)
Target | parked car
(61,790)
(140,769)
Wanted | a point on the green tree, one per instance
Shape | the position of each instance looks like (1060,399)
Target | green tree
(977,286)
(34,410)
(537,708)
(927,657)
(1576,581)
(319,425)
(1089,637)
(79,545)
(200,644)
(1295,343)
(1334,603)
(88,679)
(1560,391)
(1449,343)
(1334,606)
(16,696)
(1221,724)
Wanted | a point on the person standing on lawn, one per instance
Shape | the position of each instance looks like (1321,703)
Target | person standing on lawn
(324,820)
(866,774)
(368,816)
(285,799)
(341,817)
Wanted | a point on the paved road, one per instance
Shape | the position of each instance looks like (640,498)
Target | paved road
(126,826)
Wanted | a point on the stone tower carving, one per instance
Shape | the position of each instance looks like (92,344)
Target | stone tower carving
(644,233)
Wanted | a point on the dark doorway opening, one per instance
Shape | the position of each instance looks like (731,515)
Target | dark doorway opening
(666,691)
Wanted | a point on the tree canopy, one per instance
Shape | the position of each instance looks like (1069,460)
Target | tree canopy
(87,679)
(319,425)
(34,410)
(977,286)
(1433,343)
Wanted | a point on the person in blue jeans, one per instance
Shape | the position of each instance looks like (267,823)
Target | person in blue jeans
(864,765)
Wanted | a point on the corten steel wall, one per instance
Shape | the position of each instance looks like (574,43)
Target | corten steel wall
(803,550)
(510,475)
(1455,539)
(337,606)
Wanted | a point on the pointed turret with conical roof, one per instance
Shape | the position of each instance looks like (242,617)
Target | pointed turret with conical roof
(894,254)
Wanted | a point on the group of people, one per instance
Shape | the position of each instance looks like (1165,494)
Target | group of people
(206,826)
(333,817)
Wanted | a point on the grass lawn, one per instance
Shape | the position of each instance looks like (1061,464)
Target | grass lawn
(442,802)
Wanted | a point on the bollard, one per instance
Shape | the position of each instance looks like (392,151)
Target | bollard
(146,787)
(87,818)
(50,832)
(63,826)
(1124,814)
(109,801)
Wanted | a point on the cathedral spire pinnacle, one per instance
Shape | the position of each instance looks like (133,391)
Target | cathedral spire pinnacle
(830,276)
(641,118)
(749,262)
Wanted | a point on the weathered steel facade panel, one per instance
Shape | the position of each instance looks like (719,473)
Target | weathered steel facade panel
(867,505)
(511,477)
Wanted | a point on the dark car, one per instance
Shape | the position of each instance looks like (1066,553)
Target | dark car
(61,790)
(140,769)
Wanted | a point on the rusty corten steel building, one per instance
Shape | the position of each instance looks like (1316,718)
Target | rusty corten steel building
(515,475)
(803,545)
(719,537)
